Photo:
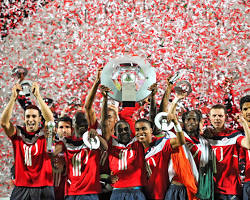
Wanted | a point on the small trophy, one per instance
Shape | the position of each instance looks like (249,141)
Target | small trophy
(20,73)
(183,86)
(177,76)
(51,125)
(91,143)
(129,79)
(162,123)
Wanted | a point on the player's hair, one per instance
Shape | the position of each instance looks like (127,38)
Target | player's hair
(34,107)
(243,100)
(219,106)
(65,118)
(145,121)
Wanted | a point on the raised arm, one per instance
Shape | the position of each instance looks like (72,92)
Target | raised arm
(46,112)
(90,112)
(165,98)
(153,109)
(8,127)
(180,139)
(245,141)
(106,131)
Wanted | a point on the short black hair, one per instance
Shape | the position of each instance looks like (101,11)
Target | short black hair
(34,107)
(145,121)
(243,100)
(219,106)
(197,112)
(65,118)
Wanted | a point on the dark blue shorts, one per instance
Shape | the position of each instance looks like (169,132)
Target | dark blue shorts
(82,197)
(176,192)
(226,197)
(127,194)
(32,193)
(246,191)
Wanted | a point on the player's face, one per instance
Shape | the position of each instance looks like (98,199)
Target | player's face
(64,129)
(112,119)
(246,111)
(143,132)
(123,133)
(191,122)
(217,118)
(32,120)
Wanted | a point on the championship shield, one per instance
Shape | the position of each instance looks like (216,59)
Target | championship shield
(128,78)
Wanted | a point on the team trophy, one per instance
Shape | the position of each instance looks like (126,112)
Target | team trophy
(182,87)
(20,73)
(162,123)
(129,79)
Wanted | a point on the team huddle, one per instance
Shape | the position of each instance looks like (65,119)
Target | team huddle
(135,158)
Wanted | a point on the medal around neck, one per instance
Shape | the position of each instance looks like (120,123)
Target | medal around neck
(129,78)
(162,123)
(91,143)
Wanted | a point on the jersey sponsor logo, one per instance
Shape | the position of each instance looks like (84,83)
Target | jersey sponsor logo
(27,154)
(124,155)
(77,163)
(218,152)
(148,168)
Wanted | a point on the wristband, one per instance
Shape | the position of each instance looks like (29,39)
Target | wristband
(175,100)
(178,128)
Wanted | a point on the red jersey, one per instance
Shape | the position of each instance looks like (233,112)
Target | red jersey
(157,158)
(82,169)
(32,162)
(246,156)
(127,162)
(247,172)
(195,149)
(226,149)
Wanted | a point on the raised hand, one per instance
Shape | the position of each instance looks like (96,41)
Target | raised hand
(105,90)
(35,89)
(98,75)
(16,88)
(153,88)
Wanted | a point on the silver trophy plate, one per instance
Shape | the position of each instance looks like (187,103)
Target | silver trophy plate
(183,86)
(121,72)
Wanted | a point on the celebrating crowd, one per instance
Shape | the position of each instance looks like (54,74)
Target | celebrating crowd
(120,157)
